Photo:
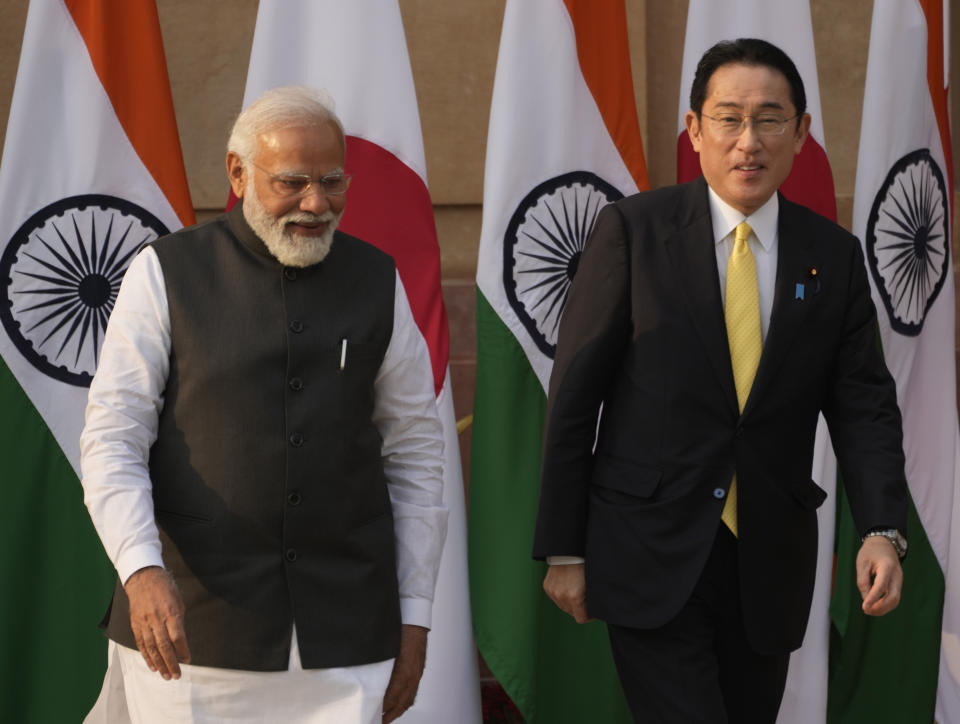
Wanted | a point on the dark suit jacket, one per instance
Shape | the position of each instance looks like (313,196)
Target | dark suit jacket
(643,333)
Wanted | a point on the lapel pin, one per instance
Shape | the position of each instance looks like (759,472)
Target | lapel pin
(800,291)
(814,274)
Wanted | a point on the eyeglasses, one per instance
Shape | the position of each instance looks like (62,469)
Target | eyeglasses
(733,124)
(288,185)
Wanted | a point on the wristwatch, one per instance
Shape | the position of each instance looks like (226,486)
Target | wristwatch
(894,536)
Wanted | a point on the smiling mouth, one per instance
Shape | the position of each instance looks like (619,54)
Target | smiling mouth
(307,228)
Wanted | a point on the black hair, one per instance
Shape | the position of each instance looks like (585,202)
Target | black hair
(747,51)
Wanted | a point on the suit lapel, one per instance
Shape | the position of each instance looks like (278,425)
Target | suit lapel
(793,297)
(694,259)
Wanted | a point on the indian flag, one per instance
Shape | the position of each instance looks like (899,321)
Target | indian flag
(789,27)
(91,171)
(906,665)
(563,142)
(357,51)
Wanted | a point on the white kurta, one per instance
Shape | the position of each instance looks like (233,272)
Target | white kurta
(124,405)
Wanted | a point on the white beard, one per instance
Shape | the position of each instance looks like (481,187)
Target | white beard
(290,249)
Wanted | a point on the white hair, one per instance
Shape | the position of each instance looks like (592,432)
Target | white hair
(288,106)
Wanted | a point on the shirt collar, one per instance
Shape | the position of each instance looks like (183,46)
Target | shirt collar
(763,221)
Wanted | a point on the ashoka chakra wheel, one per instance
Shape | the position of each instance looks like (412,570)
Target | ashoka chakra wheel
(542,248)
(60,274)
(907,240)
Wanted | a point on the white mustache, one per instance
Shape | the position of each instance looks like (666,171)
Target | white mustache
(305,217)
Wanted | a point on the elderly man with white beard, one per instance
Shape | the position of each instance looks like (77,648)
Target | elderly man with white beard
(262,454)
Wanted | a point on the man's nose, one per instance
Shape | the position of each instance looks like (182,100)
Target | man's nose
(749,138)
(314,200)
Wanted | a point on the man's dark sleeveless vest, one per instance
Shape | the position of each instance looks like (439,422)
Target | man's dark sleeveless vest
(268,485)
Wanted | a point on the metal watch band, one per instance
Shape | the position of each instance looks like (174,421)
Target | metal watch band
(894,536)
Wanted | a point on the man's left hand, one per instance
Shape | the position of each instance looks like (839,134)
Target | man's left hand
(407,670)
(879,576)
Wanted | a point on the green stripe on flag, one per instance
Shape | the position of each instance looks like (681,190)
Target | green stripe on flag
(55,579)
(884,670)
(554,670)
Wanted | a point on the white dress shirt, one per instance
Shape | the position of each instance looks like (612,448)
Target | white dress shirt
(763,242)
(126,398)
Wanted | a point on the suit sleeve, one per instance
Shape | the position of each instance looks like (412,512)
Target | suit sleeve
(862,414)
(593,334)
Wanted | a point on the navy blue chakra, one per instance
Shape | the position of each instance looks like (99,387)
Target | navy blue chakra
(60,275)
(542,248)
(907,240)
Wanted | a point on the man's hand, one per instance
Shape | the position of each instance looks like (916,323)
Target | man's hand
(156,616)
(407,670)
(879,576)
(567,587)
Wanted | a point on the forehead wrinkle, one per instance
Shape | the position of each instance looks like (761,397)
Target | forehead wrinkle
(269,140)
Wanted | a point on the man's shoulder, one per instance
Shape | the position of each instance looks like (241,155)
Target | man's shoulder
(808,222)
(665,197)
(190,235)
(351,248)
(668,207)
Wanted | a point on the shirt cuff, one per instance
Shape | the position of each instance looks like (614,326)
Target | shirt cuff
(564,560)
(416,611)
(141,556)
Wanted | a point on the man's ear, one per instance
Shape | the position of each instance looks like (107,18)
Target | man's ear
(237,173)
(693,129)
(801,132)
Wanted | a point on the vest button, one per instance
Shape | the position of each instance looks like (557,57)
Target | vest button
(290,274)
(296,439)
(296,326)
(719,493)
(291,554)
(296,384)
(294,498)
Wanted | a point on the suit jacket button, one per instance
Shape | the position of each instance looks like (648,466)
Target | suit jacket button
(296,384)
(291,554)
(294,498)
(296,439)
(719,493)
(296,326)
(290,274)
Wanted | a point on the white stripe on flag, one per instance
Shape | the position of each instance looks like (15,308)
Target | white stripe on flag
(544,122)
(80,148)
(898,120)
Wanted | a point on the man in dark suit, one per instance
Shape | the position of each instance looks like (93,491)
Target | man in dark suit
(687,519)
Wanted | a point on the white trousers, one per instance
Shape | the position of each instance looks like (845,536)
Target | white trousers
(205,695)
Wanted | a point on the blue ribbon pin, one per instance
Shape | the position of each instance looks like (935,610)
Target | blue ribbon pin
(800,291)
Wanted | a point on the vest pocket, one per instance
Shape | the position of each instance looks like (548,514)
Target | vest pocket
(176,516)
(357,355)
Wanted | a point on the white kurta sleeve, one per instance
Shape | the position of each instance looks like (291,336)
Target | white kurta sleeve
(405,414)
(123,408)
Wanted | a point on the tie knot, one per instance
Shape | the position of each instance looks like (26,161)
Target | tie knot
(741,234)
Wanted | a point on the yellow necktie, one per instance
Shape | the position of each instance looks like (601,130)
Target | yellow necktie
(742,313)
